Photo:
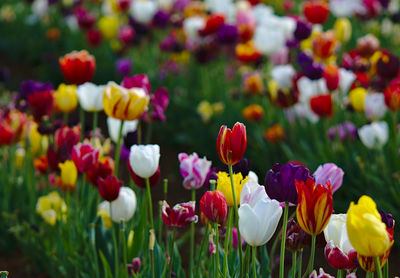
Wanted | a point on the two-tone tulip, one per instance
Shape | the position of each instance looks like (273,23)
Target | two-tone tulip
(85,156)
(102,169)
(214,207)
(231,144)
(193,169)
(314,205)
(141,182)
(109,188)
(180,215)
(123,207)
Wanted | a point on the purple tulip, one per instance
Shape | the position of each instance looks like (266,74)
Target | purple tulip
(387,218)
(227,34)
(123,66)
(160,101)
(194,170)
(30,86)
(280,181)
(235,238)
(329,172)
(303,30)
(346,130)
(161,19)
(243,167)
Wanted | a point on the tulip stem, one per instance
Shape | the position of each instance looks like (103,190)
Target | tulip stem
(114,239)
(82,121)
(294,257)
(192,230)
(283,240)
(236,220)
(254,261)
(311,266)
(150,203)
(300,263)
(125,254)
(172,253)
(203,243)
(227,240)
(95,121)
(386,269)
(339,273)
(118,149)
(378,267)
(217,248)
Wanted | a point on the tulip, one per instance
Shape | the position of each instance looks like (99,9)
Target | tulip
(134,266)
(253,112)
(274,134)
(38,143)
(213,205)
(316,11)
(280,181)
(253,83)
(77,67)
(224,185)
(392,97)
(7,134)
(342,28)
(143,11)
(65,98)
(109,188)
(321,274)
(193,169)
(109,26)
(69,174)
(102,169)
(295,236)
(41,164)
(343,131)
(357,98)
(124,104)
(180,215)
(122,207)
(90,97)
(137,81)
(67,136)
(374,106)
(94,37)
(144,159)
(41,104)
(374,135)
(51,207)
(324,45)
(114,126)
(30,86)
(160,101)
(141,182)
(84,156)
(367,233)
(329,172)
(339,252)
(331,76)
(123,66)
(322,105)
(231,144)
(248,52)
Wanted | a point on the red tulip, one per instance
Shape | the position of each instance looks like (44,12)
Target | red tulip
(213,23)
(180,215)
(41,164)
(141,182)
(41,104)
(109,188)
(94,37)
(6,134)
(322,105)
(77,67)
(316,12)
(392,97)
(314,206)
(231,144)
(126,34)
(338,259)
(102,169)
(213,205)
(331,76)
(67,136)
(84,156)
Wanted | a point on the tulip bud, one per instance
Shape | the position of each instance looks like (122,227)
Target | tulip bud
(102,169)
(213,205)
(231,144)
(77,67)
(322,105)
(65,98)
(144,159)
(109,188)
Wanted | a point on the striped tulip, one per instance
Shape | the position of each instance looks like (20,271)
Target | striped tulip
(231,144)
(124,104)
(314,206)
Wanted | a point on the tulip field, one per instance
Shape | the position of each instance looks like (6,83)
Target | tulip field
(199,138)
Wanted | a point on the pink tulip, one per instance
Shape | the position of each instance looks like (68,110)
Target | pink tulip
(329,172)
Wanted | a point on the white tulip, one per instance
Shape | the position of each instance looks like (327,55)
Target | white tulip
(253,176)
(336,231)
(374,135)
(144,159)
(258,215)
(123,207)
(40,7)
(115,124)
(192,25)
(309,88)
(374,106)
(91,96)
(283,75)
(344,8)
(262,11)
(143,10)
(346,78)
(268,40)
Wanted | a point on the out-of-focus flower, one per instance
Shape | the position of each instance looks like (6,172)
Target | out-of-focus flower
(126,34)
(346,130)
(294,236)
(253,83)
(193,169)
(109,188)
(53,34)
(143,11)
(41,104)
(38,143)
(192,25)
(85,156)
(342,28)
(280,181)
(180,215)
(374,135)
(114,125)
(274,134)
(134,266)
(65,98)
(41,164)
(283,75)
(212,24)
(329,172)
(224,185)
(366,231)
(51,208)
(123,66)
(69,174)
(324,45)
(213,205)
(316,11)
(207,110)
(137,81)
(231,144)
(30,86)
(91,96)
(387,66)
(160,101)
(77,67)
(124,104)
(322,105)
(122,208)
(19,158)
(7,135)
(227,34)
(67,136)
(94,37)
(314,205)
(339,252)
(357,98)
(322,274)
(253,112)
(108,26)
(343,8)
(144,159)
(302,31)
(102,169)
(392,97)
(258,215)
(141,182)
(331,76)
(367,45)
(374,106)
(247,52)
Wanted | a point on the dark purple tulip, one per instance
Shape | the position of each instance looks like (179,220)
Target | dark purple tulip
(123,66)
(304,60)
(294,236)
(384,3)
(160,100)
(30,86)
(227,34)
(303,30)
(388,66)
(161,19)
(292,43)
(387,218)
(313,71)
(280,181)
(243,167)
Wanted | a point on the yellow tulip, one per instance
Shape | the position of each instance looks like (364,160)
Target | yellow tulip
(124,104)
(357,97)
(109,26)
(51,208)
(69,174)
(38,143)
(19,158)
(224,185)
(342,29)
(367,233)
(66,98)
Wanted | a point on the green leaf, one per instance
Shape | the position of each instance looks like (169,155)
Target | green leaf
(106,266)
